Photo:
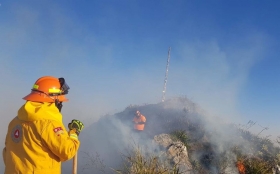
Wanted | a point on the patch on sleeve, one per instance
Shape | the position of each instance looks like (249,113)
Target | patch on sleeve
(58,131)
(16,134)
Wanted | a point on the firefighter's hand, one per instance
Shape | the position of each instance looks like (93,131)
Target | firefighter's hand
(77,125)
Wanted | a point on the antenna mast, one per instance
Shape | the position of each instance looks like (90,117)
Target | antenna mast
(166,75)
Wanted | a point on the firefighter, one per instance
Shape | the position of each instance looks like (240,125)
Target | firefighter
(37,141)
(139,121)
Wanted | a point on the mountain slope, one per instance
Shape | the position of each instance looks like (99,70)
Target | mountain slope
(213,146)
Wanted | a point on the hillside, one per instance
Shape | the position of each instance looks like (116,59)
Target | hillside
(212,146)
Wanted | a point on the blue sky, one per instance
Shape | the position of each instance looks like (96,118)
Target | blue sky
(224,55)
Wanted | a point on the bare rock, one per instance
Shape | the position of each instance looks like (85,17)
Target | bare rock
(176,152)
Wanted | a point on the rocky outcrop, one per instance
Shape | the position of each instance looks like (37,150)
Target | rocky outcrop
(276,169)
(175,151)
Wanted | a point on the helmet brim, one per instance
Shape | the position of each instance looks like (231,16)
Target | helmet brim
(41,97)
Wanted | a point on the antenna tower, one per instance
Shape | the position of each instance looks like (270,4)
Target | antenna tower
(166,75)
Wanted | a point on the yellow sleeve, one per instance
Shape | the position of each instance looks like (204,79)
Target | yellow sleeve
(62,144)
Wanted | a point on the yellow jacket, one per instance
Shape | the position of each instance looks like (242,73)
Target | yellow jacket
(37,141)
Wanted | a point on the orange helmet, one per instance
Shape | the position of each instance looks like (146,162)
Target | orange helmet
(48,89)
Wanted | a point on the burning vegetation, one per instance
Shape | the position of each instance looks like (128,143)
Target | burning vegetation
(213,148)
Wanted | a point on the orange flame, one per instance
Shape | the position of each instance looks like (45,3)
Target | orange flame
(240,167)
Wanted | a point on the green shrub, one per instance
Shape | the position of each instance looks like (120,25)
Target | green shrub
(180,135)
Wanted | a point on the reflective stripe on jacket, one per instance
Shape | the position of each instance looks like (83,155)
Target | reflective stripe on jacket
(138,122)
(37,141)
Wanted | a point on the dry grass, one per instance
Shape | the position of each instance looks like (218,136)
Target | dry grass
(138,163)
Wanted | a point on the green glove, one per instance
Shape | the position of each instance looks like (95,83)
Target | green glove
(76,124)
